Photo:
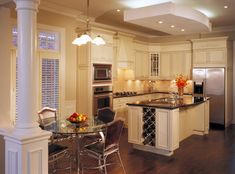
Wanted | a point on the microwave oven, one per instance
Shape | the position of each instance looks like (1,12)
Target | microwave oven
(102,73)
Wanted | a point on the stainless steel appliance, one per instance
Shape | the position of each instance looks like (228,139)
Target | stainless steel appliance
(211,83)
(102,97)
(102,73)
(125,93)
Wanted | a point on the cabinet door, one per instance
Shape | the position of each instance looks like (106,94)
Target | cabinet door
(177,63)
(134,124)
(216,56)
(138,65)
(162,131)
(154,65)
(102,53)
(145,64)
(199,57)
(165,64)
(141,65)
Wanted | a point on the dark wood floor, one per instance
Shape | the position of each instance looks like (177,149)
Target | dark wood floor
(211,154)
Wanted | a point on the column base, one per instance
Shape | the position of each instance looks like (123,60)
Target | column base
(26,153)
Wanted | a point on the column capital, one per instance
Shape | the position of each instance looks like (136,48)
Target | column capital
(27,4)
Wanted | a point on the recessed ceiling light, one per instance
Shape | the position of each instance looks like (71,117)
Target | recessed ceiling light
(182,29)
(172,26)
(225,6)
(118,10)
(160,22)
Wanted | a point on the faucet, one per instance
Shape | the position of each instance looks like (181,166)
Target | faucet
(174,95)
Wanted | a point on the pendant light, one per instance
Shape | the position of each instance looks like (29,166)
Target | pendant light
(85,38)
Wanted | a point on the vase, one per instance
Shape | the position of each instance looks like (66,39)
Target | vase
(180,92)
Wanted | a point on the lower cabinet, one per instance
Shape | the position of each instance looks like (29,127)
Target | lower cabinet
(167,129)
(135,125)
(152,127)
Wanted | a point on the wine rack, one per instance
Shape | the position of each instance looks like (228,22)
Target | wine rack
(149,122)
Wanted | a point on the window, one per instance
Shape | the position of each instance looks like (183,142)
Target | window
(48,40)
(49,58)
(50,83)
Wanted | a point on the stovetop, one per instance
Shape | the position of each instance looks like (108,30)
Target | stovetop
(125,93)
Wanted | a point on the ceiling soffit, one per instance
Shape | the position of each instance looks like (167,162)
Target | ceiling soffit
(183,19)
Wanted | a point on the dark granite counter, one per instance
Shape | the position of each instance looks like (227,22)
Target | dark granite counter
(170,103)
(142,93)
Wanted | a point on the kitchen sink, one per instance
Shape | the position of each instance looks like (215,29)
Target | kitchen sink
(167,100)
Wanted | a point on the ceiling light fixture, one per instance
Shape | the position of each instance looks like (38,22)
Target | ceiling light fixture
(85,38)
(160,22)
(172,26)
(225,6)
(118,10)
(182,29)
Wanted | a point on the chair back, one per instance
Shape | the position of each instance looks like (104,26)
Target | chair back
(113,134)
(47,116)
(106,115)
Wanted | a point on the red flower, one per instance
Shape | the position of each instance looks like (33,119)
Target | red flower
(181,81)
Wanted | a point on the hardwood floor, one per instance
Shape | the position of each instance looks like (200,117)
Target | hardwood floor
(211,154)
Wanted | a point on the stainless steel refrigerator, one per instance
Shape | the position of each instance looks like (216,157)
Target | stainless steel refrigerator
(213,81)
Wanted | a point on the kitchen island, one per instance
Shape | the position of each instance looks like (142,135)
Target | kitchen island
(159,125)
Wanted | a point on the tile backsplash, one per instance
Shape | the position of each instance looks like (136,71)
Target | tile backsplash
(123,84)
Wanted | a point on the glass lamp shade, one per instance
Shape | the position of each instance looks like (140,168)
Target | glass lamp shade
(98,40)
(83,39)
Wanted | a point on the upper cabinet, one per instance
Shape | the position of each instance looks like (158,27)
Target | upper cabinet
(154,65)
(211,52)
(175,59)
(103,53)
(141,61)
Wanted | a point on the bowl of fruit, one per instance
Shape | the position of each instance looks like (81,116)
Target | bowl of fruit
(77,118)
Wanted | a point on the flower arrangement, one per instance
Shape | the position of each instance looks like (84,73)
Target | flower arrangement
(181,81)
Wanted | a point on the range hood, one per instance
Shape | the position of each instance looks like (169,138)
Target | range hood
(125,53)
(169,18)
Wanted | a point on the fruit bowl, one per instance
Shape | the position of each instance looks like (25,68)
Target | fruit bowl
(77,118)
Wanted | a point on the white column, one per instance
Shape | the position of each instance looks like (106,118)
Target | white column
(27,66)
(26,146)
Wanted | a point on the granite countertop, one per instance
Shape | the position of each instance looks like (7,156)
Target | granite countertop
(170,103)
(143,93)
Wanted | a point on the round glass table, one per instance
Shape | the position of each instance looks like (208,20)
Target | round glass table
(79,130)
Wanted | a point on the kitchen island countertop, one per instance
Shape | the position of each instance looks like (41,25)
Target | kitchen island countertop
(170,103)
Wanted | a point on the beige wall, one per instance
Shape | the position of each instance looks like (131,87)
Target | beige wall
(5,80)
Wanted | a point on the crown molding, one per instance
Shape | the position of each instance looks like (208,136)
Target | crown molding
(2,2)
(223,29)
(52,7)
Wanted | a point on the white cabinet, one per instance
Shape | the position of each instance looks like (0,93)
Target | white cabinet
(210,52)
(134,125)
(141,65)
(167,129)
(200,118)
(174,63)
(103,53)
(210,57)
(120,107)
(154,65)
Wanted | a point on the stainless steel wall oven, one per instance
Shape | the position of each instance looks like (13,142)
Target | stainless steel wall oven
(102,97)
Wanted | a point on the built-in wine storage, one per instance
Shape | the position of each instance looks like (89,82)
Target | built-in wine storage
(149,128)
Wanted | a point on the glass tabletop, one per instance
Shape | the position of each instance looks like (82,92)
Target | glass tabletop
(66,127)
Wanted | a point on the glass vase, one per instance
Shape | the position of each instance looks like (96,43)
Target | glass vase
(180,92)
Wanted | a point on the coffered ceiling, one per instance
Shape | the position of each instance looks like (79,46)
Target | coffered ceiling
(105,11)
